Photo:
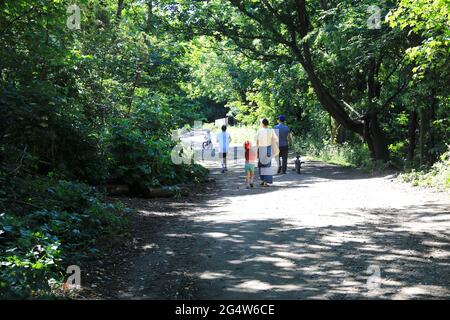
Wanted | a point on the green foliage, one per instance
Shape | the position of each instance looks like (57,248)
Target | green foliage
(346,154)
(438,176)
(142,161)
(52,135)
(428,19)
(100,104)
(38,244)
(59,111)
(28,268)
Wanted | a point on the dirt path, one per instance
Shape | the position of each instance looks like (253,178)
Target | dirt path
(322,234)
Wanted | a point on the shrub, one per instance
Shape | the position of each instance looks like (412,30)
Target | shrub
(346,154)
(36,245)
(144,161)
(438,176)
(50,133)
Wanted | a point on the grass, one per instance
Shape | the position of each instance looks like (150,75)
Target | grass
(347,155)
(437,177)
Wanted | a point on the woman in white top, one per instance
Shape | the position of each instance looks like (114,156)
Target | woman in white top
(267,145)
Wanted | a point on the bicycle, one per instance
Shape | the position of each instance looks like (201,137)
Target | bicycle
(207,145)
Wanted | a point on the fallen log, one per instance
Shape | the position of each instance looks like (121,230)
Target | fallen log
(165,192)
(117,189)
(150,192)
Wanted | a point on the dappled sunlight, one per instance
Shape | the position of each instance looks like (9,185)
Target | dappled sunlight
(155,213)
(216,234)
(250,245)
(322,262)
(339,238)
(178,235)
(150,246)
(277,262)
(213,275)
(419,291)
(254,286)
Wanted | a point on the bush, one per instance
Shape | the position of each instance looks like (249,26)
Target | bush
(438,176)
(346,154)
(36,245)
(49,132)
(30,264)
(142,161)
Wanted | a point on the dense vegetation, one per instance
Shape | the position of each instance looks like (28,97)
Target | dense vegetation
(96,104)
(83,107)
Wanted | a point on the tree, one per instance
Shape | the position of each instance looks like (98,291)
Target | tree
(291,31)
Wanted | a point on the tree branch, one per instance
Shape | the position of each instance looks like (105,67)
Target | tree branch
(10,23)
(265,24)
(399,90)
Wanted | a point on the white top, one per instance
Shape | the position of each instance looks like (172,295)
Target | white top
(265,137)
(223,139)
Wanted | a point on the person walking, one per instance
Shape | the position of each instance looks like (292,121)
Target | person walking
(249,167)
(284,138)
(267,146)
(224,139)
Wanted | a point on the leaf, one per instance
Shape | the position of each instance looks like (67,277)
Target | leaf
(8,228)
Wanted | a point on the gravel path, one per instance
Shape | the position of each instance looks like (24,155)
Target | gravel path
(328,233)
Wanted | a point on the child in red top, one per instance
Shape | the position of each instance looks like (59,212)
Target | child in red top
(250,158)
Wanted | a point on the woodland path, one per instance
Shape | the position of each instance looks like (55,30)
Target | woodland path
(317,235)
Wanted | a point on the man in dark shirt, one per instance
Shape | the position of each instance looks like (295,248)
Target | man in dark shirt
(284,138)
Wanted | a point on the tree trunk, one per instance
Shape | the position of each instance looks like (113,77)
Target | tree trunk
(375,138)
(422,129)
(380,143)
(338,132)
(432,117)
(330,124)
(334,108)
(149,27)
(119,11)
(341,136)
(412,127)
(137,76)
(369,128)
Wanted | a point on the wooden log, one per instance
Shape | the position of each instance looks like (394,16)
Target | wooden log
(117,189)
(164,192)
(158,193)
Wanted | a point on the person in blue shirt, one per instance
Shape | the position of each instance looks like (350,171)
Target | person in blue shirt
(284,138)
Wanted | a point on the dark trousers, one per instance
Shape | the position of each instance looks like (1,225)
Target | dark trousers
(282,159)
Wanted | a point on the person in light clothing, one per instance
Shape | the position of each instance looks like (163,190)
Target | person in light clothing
(224,139)
(267,146)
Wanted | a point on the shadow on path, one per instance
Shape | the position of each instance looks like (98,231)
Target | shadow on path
(213,247)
